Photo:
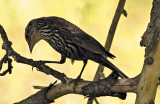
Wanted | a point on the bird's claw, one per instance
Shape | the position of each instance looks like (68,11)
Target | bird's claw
(115,75)
(75,81)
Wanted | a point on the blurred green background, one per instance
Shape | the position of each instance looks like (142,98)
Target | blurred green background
(94,17)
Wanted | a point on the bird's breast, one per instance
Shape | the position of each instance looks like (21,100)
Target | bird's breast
(69,49)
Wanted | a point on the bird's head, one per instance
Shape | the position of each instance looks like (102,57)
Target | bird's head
(32,34)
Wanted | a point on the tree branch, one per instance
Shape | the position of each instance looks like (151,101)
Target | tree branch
(20,59)
(103,87)
(147,87)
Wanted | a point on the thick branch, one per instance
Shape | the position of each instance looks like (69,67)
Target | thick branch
(147,87)
(103,87)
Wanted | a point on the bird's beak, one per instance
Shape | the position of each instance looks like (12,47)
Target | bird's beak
(32,41)
(30,47)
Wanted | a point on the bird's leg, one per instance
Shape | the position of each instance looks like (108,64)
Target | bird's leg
(79,76)
(85,62)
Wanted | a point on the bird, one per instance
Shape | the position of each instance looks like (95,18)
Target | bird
(70,41)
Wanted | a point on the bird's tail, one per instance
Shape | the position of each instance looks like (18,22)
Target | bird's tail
(103,61)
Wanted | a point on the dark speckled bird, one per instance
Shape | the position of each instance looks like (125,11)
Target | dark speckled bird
(69,40)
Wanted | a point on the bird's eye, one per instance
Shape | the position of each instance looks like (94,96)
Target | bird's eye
(29,26)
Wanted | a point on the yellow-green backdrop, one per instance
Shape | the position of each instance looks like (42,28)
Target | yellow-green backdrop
(94,17)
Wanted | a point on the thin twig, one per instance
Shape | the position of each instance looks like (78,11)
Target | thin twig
(5,59)
(20,59)
(39,87)
(120,10)
(111,33)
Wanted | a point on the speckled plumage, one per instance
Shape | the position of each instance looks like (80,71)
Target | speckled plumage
(69,40)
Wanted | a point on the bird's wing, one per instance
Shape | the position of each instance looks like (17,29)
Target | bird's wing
(79,37)
(90,44)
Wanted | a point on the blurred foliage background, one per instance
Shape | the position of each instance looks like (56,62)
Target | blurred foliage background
(94,17)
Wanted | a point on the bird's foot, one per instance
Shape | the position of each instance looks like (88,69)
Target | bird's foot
(115,75)
(75,81)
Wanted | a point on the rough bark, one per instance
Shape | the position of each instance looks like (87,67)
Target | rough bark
(147,87)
